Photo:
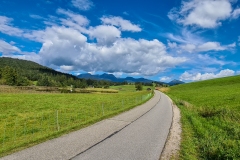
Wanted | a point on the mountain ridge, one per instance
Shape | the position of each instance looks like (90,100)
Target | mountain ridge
(112,78)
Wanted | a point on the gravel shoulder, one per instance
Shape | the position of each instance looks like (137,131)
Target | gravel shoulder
(172,145)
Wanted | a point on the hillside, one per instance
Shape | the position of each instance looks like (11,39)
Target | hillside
(22,73)
(210,118)
(29,69)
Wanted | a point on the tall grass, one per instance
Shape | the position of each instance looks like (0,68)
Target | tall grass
(30,118)
(210,118)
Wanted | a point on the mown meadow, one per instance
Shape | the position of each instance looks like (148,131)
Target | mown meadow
(28,118)
(210,119)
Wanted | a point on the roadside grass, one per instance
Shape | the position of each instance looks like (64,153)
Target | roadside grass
(210,113)
(30,118)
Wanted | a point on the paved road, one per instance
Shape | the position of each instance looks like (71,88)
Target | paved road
(137,134)
(143,139)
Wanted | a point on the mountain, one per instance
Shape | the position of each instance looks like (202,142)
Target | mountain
(19,72)
(175,82)
(112,78)
(29,69)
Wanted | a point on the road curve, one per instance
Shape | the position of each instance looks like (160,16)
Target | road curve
(143,139)
(137,134)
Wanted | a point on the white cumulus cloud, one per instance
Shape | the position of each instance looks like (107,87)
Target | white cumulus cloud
(208,46)
(75,18)
(73,45)
(105,34)
(66,47)
(125,25)
(236,13)
(189,47)
(7,28)
(202,13)
(6,48)
(199,76)
(83,4)
(165,79)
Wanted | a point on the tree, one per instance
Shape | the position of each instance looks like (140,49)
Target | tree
(138,86)
(44,81)
(10,76)
(23,81)
(0,73)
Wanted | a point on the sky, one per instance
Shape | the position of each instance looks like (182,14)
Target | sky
(162,40)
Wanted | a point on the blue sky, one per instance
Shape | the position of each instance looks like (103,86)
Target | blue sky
(189,40)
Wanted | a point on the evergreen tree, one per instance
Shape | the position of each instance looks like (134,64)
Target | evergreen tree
(10,76)
(0,73)
(138,86)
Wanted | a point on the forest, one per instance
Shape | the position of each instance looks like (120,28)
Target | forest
(16,72)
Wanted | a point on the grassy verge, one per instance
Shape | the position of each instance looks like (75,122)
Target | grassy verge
(30,118)
(210,118)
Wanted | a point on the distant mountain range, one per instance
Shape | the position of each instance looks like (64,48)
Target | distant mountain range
(175,82)
(112,78)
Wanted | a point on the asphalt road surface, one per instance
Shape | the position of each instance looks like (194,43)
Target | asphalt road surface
(137,134)
(142,139)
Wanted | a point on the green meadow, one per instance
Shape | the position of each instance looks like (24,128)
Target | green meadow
(30,118)
(210,119)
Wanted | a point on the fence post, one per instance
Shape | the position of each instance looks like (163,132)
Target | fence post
(57,122)
(15,132)
(42,123)
(25,130)
(4,133)
(102,109)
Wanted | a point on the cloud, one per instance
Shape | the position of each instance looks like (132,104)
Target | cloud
(236,13)
(117,74)
(208,60)
(239,40)
(6,48)
(105,35)
(199,76)
(75,18)
(165,79)
(172,44)
(6,27)
(125,25)
(83,5)
(189,47)
(67,47)
(207,46)
(66,68)
(204,13)
(73,45)
(34,16)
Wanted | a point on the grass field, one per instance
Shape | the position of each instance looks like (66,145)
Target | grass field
(30,118)
(210,118)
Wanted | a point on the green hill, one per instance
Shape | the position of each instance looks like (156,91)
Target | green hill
(23,73)
(210,118)
(17,72)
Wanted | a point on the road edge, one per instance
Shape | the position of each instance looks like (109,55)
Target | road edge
(172,145)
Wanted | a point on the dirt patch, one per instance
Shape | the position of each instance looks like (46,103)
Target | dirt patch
(174,138)
(163,89)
